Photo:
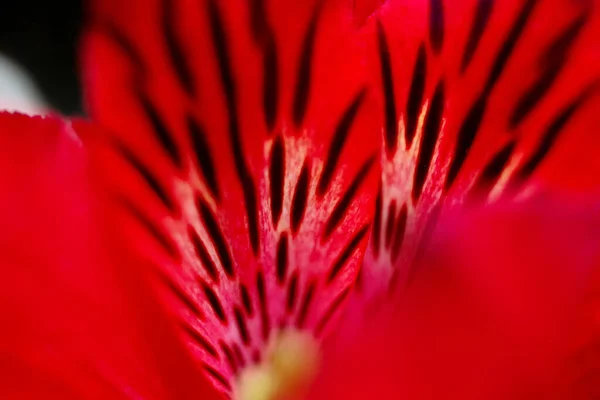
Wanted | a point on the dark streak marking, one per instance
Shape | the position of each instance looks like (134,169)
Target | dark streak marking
(308,298)
(222,52)
(162,239)
(264,38)
(337,143)
(200,341)
(246,300)
(181,295)
(218,239)
(552,64)
(429,138)
(270,81)
(281,258)
(333,307)
(215,303)
(241,324)
(217,376)
(126,46)
(346,253)
(389,226)
(175,51)
(277,178)
(470,125)
(466,137)
(399,233)
(508,46)
(303,80)
(549,138)
(238,355)
(229,357)
(203,255)
(387,82)
(336,216)
(145,173)
(415,95)
(300,199)
(160,130)
(262,298)
(436,24)
(292,293)
(376,236)
(482,15)
(203,155)
(492,171)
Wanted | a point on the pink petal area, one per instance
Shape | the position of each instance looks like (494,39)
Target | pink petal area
(75,322)
(504,305)
(480,100)
(242,154)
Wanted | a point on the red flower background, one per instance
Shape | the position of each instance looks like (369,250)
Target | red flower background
(413,184)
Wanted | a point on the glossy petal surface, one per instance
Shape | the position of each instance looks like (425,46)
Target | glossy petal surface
(480,100)
(74,320)
(505,305)
(242,154)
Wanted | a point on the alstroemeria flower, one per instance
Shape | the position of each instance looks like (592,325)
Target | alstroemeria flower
(262,163)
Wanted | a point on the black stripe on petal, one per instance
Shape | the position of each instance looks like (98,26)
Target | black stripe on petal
(346,253)
(387,82)
(306,303)
(219,38)
(218,239)
(160,130)
(215,303)
(399,233)
(466,136)
(429,138)
(281,257)
(436,24)
(216,375)
(200,341)
(550,137)
(336,216)
(415,95)
(338,141)
(164,240)
(303,79)
(262,298)
(333,307)
(277,178)
(203,255)
(376,235)
(552,64)
(292,293)
(493,170)
(145,173)
(246,300)
(177,55)
(241,324)
(300,199)
(482,16)
(203,155)
(389,226)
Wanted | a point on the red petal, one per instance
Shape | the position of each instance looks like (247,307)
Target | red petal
(246,127)
(70,328)
(478,96)
(504,305)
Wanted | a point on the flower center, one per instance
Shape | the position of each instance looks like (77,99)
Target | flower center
(289,367)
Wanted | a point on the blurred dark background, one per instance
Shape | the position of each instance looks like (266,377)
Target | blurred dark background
(42,36)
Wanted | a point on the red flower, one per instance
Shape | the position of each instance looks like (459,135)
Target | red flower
(244,153)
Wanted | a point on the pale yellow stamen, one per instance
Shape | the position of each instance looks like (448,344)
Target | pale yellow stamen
(289,367)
